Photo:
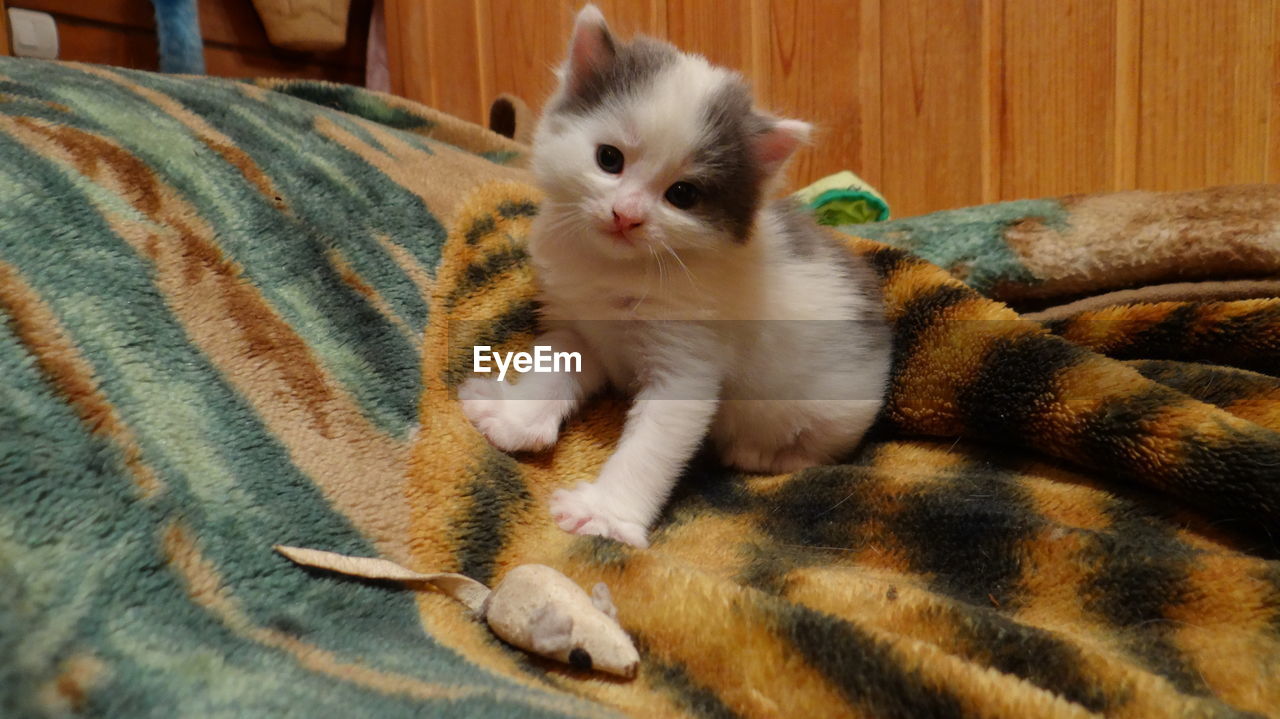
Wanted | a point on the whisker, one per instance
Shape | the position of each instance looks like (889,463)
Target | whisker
(647,266)
(692,281)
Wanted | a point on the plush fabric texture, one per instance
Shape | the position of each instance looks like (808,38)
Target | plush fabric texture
(212,297)
(1037,253)
(178,30)
(232,315)
(1035,530)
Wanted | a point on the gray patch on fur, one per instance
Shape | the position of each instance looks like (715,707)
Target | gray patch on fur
(726,171)
(729,179)
(801,234)
(632,69)
(807,241)
(838,341)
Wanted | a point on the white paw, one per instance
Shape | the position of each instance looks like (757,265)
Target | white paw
(587,510)
(512,425)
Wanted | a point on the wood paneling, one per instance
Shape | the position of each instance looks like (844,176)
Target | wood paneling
(991,88)
(523,42)
(722,31)
(939,103)
(1206,92)
(627,17)
(1057,117)
(446,40)
(104,45)
(463,90)
(932,104)
(1273,126)
(1128,82)
(796,81)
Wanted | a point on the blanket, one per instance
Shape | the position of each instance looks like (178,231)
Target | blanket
(234,314)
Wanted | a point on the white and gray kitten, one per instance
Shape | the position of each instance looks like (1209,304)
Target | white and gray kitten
(660,261)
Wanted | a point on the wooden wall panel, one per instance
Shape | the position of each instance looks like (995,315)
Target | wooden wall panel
(939,103)
(991,89)
(627,17)
(1206,76)
(453,48)
(721,31)
(932,104)
(408,60)
(104,45)
(1127,94)
(822,77)
(1273,125)
(523,42)
(1058,115)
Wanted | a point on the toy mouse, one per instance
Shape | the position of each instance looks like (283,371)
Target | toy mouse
(534,608)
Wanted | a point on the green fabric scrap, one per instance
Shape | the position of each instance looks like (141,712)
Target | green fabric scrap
(849,207)
(844,199)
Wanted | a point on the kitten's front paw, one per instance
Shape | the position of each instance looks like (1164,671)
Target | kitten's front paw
(512,425)
(586,510)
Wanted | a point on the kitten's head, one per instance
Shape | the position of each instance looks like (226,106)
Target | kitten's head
(643,146)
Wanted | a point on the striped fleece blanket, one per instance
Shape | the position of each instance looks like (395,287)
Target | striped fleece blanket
(233,314)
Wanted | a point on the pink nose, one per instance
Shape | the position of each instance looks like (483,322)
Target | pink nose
(623,221)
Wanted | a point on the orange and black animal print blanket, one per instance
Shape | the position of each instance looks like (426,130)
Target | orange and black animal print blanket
(1064,517)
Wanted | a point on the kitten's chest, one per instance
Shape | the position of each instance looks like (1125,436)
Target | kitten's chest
(619,346)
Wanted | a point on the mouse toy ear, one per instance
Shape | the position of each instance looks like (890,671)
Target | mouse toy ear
(602,600)
(591,49)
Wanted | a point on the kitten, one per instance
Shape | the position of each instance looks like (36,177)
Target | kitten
(660,261)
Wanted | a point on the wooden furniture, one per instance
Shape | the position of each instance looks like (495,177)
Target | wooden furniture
(122,32)
(940,103)
(4,30)
(305,25)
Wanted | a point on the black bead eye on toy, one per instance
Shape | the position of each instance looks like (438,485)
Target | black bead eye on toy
(610,159)
(579,659)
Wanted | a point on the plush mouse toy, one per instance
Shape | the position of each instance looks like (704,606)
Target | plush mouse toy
(534,608)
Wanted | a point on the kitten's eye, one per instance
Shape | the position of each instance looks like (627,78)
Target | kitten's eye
(683,195)
(609,158)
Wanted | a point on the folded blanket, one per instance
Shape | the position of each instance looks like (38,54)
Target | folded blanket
(1037,529)
(1106,249)
(227,307)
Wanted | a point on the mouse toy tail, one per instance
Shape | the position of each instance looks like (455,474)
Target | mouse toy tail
(462,588)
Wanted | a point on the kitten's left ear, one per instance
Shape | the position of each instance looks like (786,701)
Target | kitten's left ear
(776,145)
(591,49)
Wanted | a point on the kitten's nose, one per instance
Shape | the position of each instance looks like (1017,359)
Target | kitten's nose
(623,221)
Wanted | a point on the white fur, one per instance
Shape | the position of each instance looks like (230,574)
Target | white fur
(773,396)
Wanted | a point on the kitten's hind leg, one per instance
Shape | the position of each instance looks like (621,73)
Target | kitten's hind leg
(791,457)
(821,431)
(526,416)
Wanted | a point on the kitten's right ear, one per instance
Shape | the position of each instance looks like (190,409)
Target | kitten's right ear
(591,48)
